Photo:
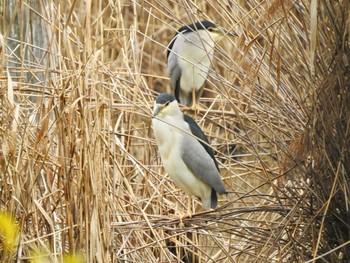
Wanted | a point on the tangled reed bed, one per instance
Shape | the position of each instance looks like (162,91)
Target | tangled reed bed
(80,170)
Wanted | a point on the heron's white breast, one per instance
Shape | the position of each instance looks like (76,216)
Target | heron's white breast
(194,52)
(169,145)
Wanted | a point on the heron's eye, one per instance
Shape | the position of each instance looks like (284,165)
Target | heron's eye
(211,29)
(166,103)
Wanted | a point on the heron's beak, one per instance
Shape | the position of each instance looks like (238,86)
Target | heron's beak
(230,33)
(156,111)
(223,33)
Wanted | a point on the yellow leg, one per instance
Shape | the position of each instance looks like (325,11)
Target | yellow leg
(194,101)
(195,106)
(189,212)
(189,206)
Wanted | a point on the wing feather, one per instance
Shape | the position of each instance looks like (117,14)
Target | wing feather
(199,160)
(197,132)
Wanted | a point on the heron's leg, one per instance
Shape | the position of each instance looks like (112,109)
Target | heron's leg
(189,206)
(194,101)
(195,106)
(189,211)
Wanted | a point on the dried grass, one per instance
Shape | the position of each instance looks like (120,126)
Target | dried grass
(80,169)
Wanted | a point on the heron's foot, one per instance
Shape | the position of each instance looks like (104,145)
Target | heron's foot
(184,216)
(196,108)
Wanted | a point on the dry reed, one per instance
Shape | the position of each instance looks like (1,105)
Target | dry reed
(80,170)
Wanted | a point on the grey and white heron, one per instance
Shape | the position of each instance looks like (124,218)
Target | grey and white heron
(185,152)
(189,57)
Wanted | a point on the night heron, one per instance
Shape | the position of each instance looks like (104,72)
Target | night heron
(189,57)
(185,152)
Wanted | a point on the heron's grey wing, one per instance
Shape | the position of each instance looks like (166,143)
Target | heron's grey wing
(197,132)
(174,72)
(200,163)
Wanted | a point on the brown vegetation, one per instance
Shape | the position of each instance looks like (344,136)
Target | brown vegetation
(79,167)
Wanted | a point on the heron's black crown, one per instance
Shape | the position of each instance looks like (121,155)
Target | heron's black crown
(197,26)
(164,98)
(190,28)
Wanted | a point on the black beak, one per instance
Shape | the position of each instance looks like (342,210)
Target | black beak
(231,33)
(158,109)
